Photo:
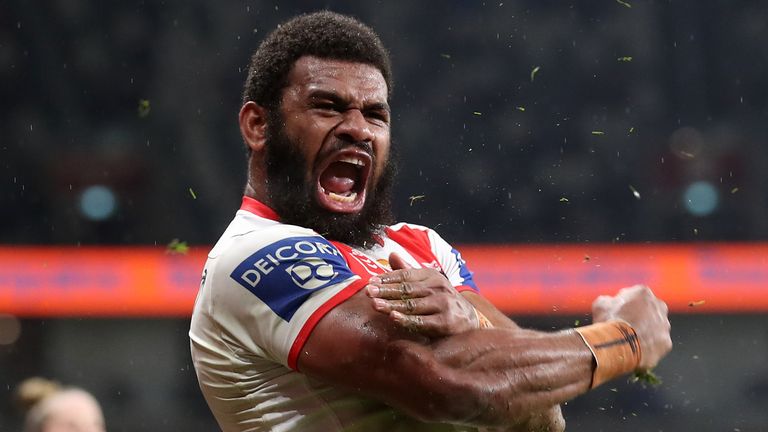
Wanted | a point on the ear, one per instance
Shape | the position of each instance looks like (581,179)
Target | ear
(253,125)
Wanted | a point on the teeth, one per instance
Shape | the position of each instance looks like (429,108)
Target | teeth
(353,161)
(341,198)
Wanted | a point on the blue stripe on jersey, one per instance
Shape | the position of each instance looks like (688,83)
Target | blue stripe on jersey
(285,273)
(464,272)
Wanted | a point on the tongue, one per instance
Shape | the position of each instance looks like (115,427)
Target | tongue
(339,178)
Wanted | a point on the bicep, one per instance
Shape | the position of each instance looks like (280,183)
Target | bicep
(357,348)
(348,334)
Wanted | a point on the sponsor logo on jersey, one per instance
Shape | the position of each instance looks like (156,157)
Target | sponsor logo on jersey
(285,273)
(311,273)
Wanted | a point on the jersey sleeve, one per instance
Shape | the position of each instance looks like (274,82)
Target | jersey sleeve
(453,265)
(430,250)
(272,290)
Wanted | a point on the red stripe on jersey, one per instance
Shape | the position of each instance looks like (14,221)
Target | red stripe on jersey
(301,338)
(360,265)
(258,208)
(417,243)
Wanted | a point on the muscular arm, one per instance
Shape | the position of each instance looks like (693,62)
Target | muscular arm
(438,310)
(549,419)
(483,377)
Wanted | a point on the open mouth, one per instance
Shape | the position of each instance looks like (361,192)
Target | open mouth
(342,181)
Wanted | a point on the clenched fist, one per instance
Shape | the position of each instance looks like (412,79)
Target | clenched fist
(645,313)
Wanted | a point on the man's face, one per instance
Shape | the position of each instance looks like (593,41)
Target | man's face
(328,149)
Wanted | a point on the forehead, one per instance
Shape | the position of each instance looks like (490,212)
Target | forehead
(351,79)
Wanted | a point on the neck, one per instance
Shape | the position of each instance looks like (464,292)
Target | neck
(256,187)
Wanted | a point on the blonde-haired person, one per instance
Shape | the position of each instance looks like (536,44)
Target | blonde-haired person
(51,407)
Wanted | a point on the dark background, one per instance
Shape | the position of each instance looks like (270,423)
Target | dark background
(499,153)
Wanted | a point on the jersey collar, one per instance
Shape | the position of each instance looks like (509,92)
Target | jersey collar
(258,208)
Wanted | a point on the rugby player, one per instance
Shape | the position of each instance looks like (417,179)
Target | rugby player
(315,313)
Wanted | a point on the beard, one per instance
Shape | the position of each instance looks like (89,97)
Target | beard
(291,194)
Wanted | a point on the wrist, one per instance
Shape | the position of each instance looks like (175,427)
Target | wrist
(615,349)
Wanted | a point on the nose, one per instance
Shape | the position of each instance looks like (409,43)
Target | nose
(354,127)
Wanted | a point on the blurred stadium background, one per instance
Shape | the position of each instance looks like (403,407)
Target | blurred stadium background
(624,137)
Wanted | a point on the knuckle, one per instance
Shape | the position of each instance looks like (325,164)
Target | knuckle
(410,322)
(601,301)
(407,288)
(410,305)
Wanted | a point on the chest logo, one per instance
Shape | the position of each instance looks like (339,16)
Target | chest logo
(311,273)
(285,274)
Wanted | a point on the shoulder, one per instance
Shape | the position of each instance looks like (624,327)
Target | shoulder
(276,254)
(416,236)
(248,232)
(250,238)
(264,256)
(267,283)
(412,232)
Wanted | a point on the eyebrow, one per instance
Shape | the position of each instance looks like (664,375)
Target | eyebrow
(338,99)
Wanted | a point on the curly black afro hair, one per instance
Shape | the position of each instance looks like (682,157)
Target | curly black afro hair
(322,34)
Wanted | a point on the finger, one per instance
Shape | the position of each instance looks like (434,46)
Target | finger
(396,262)
(398,291)
(423,324)
(404,275)
(428,325)
(407,306)
(414,323)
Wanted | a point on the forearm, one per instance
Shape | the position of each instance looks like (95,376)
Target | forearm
(493,377)
(498,377)
(550,419)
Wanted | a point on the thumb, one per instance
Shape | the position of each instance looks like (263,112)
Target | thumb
(397,262)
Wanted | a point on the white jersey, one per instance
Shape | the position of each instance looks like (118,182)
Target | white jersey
(264,288)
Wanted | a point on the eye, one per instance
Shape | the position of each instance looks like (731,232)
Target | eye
(327,106)
(378,115)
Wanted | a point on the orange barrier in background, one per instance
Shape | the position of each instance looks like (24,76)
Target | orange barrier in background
(519,279)
(567,278)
